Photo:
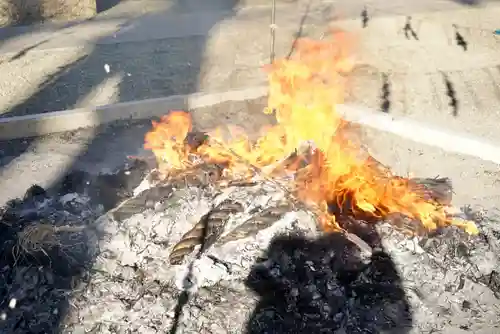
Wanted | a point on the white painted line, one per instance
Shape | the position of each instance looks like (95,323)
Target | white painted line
(427,134)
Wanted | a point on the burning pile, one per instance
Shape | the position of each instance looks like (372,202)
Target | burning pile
(251,206)
(310,153)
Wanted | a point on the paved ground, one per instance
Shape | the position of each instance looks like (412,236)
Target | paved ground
(183,49)
(179,47)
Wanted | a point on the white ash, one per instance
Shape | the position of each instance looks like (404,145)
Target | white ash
(443,281)
(241,254)
(134,289)
(140,246)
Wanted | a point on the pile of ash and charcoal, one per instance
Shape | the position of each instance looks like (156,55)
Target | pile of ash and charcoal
(133,252)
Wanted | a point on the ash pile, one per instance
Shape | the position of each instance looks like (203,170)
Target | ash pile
(195,253)
(49,245)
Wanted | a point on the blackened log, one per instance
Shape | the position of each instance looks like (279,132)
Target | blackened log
(200,175)
(111,189)
(436,189)
(106,189)
(195,139)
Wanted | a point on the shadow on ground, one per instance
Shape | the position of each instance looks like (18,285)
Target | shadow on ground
(37,289)
(176,63)
(469,2)
(324,286)
(104,5)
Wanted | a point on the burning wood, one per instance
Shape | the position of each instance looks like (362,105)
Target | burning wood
(432,193)
(211,226)
(311,155)
(328,176)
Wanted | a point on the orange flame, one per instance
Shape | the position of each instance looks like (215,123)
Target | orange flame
(303,94)
(167,139)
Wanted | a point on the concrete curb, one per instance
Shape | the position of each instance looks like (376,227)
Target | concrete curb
(427,134)
(60,121)
(68,120)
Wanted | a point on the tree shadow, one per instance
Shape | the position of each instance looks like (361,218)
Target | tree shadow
(42,285)
(171,66)
(325,286)
(469,2)
(104,5)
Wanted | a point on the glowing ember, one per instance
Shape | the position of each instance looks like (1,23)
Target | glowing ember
(303,94)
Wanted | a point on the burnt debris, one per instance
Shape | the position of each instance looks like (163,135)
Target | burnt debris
(459,39)
(206,232)
(46,249)
(260,221)
(107,189)
(364,17)
(254,238)
(439,189)
(386,94)
(452,95)
(408,30)
(49,244)
(156,197)
(463,250)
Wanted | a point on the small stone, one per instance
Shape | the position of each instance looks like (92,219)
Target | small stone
(68,198)
(12,303)
(337,317)
(128,258)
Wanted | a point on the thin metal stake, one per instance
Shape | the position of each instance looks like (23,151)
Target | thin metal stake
(273,31)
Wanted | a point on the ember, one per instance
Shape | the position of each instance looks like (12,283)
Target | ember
(310,152)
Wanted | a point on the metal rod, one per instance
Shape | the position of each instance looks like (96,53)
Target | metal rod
(273,31)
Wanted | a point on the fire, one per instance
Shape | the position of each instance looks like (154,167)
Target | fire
(303,93)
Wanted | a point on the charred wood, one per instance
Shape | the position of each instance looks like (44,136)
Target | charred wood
(258,222)
(206,232)
(147,199)
(201,175)
(439,190)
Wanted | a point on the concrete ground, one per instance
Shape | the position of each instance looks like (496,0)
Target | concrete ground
(149,49)
(139,50)
(182,49)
